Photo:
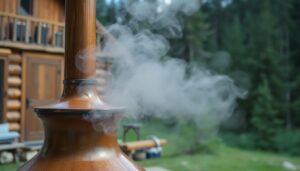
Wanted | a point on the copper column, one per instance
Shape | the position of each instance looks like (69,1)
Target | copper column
(80,130)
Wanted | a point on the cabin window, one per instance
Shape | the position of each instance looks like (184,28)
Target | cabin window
(2,89)
(26,7)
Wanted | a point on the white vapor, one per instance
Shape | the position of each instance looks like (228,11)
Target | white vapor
(148,86)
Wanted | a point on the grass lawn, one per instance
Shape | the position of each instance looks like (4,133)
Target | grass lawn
(227,159)
(223,158)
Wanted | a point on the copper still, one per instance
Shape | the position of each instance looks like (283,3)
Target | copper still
(71,141)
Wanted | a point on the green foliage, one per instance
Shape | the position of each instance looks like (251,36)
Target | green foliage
(243,140)
(201,138)
(195,33)
(234,42)
(265,117)
(256,42)
(288,142)
(284,141)
(262,39)
(184,136)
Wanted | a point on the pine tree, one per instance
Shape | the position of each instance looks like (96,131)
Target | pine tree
(264,116)
(294,61)
(264,48)
(195,33)
(234,43)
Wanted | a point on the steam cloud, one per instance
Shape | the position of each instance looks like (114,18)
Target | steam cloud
(146,85)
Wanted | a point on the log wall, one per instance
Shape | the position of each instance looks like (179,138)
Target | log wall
(103,74)
(14,104)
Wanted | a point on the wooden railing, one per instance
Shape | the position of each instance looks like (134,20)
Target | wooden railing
(32,33)
(30,30)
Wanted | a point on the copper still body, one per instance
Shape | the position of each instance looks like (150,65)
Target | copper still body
(74,139)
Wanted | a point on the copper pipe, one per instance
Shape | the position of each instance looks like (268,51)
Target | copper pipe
(80,60)
(80,39)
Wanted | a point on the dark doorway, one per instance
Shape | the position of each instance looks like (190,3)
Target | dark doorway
(26,7)
(2,89)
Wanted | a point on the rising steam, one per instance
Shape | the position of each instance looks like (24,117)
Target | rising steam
(149,86)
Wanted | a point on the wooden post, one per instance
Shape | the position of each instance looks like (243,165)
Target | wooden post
(53,34)
(27,35)
(14,29)
(64,36)
(2,24)
(39,34)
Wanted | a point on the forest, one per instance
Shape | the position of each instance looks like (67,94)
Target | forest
(256,43)
(262,40)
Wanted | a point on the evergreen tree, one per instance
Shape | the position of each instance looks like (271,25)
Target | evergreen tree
(234,43)
(264,116)
(195,33)
(264,48)
(294,62)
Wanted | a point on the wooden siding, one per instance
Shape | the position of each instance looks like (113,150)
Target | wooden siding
(52,10)
(9,6)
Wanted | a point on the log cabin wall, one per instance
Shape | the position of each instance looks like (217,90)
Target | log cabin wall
(15,99)
(13,83)
(52,10)
(103,74)
(14,93)
(19,60)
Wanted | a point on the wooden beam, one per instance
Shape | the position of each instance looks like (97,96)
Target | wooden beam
(16,59)
(31,18)
(13,104)
(14,93)
(27,35)
(14,126)
(14,69)
(5,51)
(101,73)
(53,35)
(14,81)
(14,29)
(13,116)
(101,65)
(19,45)
(39,37)
(137,145)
